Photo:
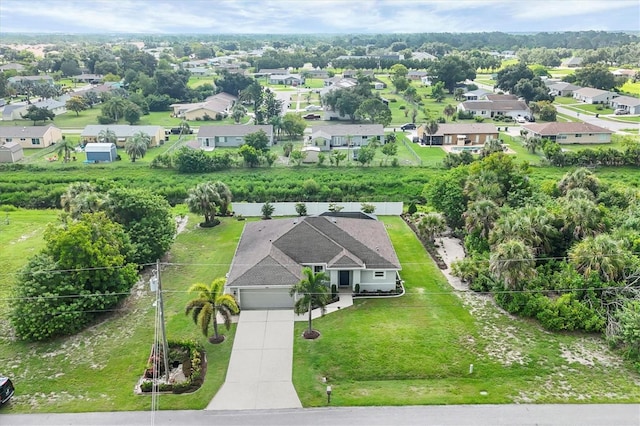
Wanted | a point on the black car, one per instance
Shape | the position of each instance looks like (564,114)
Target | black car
(6,390)
(408,126)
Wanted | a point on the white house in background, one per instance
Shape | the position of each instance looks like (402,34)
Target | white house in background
(475,95)
(496,105)
(220,103)
(345,135)
(427,80)
(573,62)
(287,79)
(590,95)
(123,132)
(563,88)
(356,253)
(211,137)
(16,111)
(626,103)
(569,132)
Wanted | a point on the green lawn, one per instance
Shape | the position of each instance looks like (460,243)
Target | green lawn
(634,119)
(631,88)
(590,109)
(565,100)
(417,349)
(515,143)
(96,369)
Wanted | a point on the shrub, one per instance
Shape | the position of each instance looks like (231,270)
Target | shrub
(478,119)
(402,107)
(103,119)
(357,288)
(412,208)
(267,210)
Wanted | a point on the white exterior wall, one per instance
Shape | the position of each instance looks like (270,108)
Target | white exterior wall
(313,208)
(370,283)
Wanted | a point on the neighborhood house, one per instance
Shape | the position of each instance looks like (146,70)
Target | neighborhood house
(219,104)
(496,105)
(568,132)
(345,135)
(459,134)
(210,137)
(30,136)
(353,252)
(590,95)
(123,132)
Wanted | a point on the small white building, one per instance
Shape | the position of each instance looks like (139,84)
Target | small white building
(11,152)
(590,95)
(100,152)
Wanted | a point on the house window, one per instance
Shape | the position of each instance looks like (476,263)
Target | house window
(379,274)
(35,141)
(9,140)
(578,135)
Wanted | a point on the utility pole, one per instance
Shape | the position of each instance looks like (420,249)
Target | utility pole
(165,345)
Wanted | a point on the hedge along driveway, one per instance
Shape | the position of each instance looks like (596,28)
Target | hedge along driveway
(417,350)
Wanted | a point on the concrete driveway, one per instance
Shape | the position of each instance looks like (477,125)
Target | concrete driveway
(259,375)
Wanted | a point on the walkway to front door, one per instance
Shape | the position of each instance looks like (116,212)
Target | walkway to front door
(259,375)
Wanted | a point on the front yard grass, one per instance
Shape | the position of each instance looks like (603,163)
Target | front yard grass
(417,349)
(95,370)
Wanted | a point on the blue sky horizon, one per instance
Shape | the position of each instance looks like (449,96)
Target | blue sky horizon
(315,16)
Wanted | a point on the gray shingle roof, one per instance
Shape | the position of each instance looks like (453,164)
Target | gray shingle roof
(24,131)
(273,252)
(350,129)
(556,128)
(233,130)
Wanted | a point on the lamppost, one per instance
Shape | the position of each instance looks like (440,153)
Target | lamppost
(328,394)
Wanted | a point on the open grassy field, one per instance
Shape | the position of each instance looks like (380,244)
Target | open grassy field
(417,349)
(631,88)
(96,369)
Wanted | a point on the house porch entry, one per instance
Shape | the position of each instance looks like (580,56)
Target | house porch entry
(343,279)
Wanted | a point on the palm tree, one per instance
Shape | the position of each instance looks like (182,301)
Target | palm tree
(532,144)
(314,292)
(431,224)
(107,136)
(210,302)
(238,112)
(204,200)
(601,254)
(484,185)
(225,197)
(115,107)
(137,145)
(64,148)
(431,128)
(579,178)
(480,216)
(449,110)
(582,217)
(512,262)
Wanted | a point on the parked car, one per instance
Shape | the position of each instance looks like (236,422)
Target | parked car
(6,390)
(311,116)
(177,130)
(408,126)
(313,108)
(520,119)
(621,111)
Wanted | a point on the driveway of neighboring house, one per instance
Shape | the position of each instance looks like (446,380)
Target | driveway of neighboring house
(259,374)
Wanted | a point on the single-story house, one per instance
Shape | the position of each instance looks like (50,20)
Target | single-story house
(317,73)
(335,83)
(563,89)
(200,71)
(569,132)
(623,72)
(416,75)
(427,80)
(100,152)
(474,95)
(220,103)
(573,62)
(16,111)
(272,71)
(30,136)
(11,152)
(230,135)
(32,78)
(421,56)
(378,85)
(123,133)
(345,135)
(287,79)
(491,108)
(88,78)
(459,134)
(356,73)
(11,66)
(590,95)
(272,253)
(626,103)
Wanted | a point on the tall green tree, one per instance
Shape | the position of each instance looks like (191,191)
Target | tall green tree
(76,104)
(204,200)
(311,291)
(431,128)
(602,255)
(210,302)
(512,262)
(65,147)
(36,114)
(137,145)
(107,136)
(452,69)
(80,274)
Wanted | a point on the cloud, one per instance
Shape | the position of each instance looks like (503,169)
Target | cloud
(314,16)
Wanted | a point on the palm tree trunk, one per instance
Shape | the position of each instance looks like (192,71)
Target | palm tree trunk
(310,329)
(215,324)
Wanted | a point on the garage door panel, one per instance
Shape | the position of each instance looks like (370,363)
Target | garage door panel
(268,298)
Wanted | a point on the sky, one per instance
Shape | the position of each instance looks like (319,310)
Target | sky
(315,16)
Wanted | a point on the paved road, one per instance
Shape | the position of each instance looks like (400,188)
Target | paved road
(474,415)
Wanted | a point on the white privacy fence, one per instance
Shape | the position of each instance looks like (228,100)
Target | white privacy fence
(315,208)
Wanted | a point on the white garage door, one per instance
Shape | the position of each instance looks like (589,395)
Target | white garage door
(266,298)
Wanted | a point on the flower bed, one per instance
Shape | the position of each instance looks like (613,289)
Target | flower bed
(188,364)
